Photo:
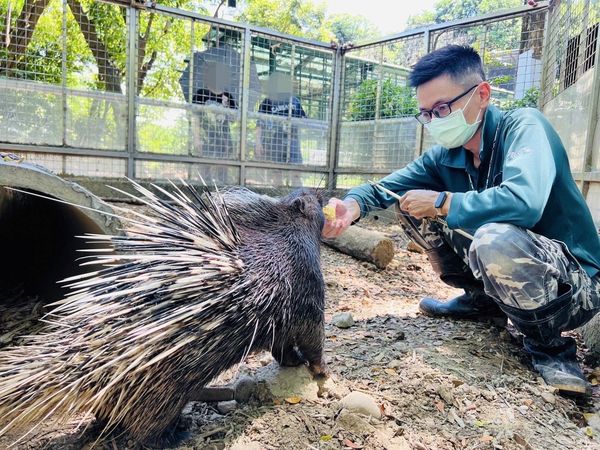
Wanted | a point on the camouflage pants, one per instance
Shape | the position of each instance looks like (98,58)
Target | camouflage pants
(535,280)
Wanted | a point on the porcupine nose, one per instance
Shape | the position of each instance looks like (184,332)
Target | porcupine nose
(38,235)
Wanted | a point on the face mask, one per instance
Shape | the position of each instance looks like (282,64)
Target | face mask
(453,130)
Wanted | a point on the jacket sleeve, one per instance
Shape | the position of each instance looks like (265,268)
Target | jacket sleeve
(419,174)
(529,171)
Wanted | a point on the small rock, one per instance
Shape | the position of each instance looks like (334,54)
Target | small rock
(395,364)
(549,398)
(227,407)
(244,388)
(488,395)
(593,421)
(283,382)
(523,409)
(446,395)
(361,403)
(354,423)
(343,320)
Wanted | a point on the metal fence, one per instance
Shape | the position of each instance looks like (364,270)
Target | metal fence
(114,89)
(378,132)
(571,89)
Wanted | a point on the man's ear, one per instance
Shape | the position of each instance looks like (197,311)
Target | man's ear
(485,93)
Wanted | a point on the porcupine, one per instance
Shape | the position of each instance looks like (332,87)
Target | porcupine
(190,291)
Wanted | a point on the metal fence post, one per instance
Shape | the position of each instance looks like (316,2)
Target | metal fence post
(592,124)
(132,19)
(245,101)
(421,128)
(544,96)
(335,119)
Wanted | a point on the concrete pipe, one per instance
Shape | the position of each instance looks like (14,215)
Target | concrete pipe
(39,243)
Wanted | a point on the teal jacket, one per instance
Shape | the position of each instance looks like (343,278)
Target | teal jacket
(526,181)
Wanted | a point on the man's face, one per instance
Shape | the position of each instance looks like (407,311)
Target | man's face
(443,89)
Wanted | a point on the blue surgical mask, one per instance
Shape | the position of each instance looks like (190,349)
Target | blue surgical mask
(453,130)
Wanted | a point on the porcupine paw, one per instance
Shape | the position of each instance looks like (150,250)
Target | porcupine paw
(320,369)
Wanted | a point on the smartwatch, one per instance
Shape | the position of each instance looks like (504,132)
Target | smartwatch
(439,202)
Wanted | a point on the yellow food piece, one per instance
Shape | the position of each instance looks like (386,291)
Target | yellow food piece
(329,212)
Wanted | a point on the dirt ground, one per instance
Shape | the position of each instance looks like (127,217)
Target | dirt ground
(441,384)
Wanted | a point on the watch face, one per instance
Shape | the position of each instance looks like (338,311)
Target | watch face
(440,200)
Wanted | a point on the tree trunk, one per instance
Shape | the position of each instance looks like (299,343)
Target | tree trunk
(365,245)
(532,33)
(108,73)
(17,40)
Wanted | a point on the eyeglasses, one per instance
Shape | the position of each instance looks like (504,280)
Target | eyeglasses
(441,110)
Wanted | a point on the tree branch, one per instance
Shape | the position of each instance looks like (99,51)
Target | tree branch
(144,68)
(20,35)
(108,73)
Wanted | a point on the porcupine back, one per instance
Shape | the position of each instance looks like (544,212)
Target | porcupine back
(190,291)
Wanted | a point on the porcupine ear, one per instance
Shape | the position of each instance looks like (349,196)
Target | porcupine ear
(299,204)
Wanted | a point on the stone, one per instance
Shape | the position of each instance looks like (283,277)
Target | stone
(361,403)
(245,387)
(354,423)
(548,398)
(278,382)
(395,364)
(343,320)
(227,407)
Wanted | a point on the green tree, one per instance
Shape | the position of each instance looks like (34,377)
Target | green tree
(447,10)
(296,17)
(351,28)
(395,101)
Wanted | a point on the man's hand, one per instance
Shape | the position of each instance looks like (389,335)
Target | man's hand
(420,203)
(346,212)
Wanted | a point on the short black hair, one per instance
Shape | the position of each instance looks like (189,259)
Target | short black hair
(458,61)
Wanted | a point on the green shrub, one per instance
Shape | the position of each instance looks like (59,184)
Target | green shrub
(396,101)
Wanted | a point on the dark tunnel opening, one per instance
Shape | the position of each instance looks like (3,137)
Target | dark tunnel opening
(39,244)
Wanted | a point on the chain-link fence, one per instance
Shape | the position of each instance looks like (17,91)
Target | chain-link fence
(112,89)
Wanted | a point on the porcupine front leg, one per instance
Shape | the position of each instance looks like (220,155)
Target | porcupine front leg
(310,344)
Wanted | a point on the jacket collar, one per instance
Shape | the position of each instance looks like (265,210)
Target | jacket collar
(457,157)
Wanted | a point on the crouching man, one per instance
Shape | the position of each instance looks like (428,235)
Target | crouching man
(503,177)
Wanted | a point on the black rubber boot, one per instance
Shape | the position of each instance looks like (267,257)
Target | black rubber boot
(557,364)
(470,306)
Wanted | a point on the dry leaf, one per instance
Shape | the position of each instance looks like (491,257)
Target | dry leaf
(293,400)
(390,371)
(486,438)
(440,406)
(349,443)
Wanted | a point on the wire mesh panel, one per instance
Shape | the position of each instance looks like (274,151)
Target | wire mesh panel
(289,122)
(31,110)
(262,177)
(163,47)
(378,130)
(148,170)
(95,40)
(569,73)
(511,50)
